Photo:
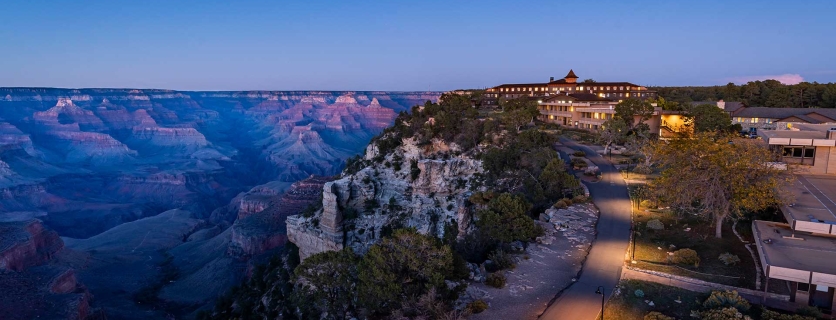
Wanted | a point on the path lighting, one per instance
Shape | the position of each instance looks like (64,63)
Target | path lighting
(601,292)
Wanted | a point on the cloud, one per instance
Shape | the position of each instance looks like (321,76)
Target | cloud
(788,78)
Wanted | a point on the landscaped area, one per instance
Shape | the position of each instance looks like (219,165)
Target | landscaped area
(628,305)
(641,300)
(661,233)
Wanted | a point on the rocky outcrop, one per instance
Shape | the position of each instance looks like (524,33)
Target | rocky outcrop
(25,244)
(359,208)
(255,233)
(33,287)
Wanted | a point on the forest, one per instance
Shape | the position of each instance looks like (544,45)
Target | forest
(768,93)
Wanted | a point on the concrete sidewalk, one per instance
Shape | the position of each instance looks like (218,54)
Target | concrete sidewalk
(603,264)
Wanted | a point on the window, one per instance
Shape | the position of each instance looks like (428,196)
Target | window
(621,88)
(803,287)
(799,152)
(581,88)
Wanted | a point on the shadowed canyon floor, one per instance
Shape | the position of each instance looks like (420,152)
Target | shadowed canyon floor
(162,197)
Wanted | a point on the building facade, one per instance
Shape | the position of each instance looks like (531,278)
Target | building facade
(616,91)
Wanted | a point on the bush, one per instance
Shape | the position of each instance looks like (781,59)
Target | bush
(723,314)
(477,306)
(723,299)
(561,204)
(655,315)
(655,224)
(639,293)
(772,315)
(809,311)
(501,261)
(579,154)
(729,259)
(496,280)
(579,163)
(686,257)
(579,199)
(646,203)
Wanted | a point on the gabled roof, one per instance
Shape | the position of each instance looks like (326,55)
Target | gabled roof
(571,74)
(782,113)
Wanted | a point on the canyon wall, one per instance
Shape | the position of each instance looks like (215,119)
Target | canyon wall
(390,193)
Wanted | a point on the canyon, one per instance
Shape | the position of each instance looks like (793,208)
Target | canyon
(142,204)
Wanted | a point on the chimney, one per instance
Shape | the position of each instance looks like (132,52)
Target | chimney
(551,79)
(831,134)
(721,104)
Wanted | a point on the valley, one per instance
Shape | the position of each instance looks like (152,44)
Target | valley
(163,199)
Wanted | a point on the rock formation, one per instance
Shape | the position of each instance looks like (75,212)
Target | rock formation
(32,287)
(359,208)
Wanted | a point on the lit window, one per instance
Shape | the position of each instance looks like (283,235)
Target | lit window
(608,88)
(620,88)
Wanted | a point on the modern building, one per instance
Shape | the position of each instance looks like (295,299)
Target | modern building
(615,91)
(770,118)
(803,250)
(808,148)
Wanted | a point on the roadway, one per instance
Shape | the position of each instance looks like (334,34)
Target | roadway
(607,255)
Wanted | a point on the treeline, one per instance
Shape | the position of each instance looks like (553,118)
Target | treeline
(408,275)
(768,93)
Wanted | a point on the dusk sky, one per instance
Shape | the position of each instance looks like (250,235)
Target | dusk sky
(410,45)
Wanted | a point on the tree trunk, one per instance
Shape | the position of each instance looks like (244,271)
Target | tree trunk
(718,231)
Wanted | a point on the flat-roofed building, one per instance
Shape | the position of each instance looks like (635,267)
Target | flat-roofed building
(809,148)
(806,260)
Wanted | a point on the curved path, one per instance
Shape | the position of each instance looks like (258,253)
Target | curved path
(603,264)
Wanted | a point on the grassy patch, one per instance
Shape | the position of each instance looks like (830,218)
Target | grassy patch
(653,247)
(627,306)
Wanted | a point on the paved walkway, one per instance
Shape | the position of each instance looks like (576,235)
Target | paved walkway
(603,264)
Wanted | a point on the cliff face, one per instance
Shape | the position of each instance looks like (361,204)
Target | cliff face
(359,208)
(32,287)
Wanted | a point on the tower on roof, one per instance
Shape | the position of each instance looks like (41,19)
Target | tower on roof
(571,77)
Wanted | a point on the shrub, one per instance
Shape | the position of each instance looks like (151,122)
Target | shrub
(579,154)
(579,163)
(729,259)
(723,299)
(477,306)
(686,257)
(501,261)
(809,311)
(561,204)
(723,314)
(579,199)
(646,203)
(655,224)
(414,171)
(772,315)
(496,280)
(639,293)
(655,315)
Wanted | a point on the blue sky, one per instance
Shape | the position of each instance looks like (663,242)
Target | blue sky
(409,45)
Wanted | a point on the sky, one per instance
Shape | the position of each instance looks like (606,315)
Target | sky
(410,45)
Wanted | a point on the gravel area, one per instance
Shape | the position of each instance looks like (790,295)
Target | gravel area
(547,266)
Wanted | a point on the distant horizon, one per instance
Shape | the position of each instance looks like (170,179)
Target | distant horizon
(430,45)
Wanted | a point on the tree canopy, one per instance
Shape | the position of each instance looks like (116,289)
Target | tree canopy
(767,93)
(708,117)
(718,174)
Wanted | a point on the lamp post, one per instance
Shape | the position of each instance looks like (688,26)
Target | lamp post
(601,292)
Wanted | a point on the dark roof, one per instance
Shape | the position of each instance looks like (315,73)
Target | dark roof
(782,113)
(803,117)
(577,97)
(571,74)
(733,106)
(521,85)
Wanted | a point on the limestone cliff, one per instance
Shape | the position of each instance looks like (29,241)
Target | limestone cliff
(421,187)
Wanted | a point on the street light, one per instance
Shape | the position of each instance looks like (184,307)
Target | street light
(601,292)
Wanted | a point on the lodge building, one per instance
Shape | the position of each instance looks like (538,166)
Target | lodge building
(615,91)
